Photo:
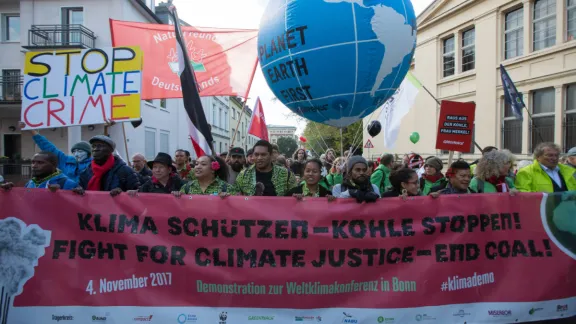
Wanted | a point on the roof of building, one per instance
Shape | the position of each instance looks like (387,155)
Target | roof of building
(281,126)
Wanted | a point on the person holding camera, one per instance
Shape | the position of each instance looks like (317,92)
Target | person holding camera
(356,183)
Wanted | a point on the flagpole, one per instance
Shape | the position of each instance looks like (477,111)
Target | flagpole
(244,106)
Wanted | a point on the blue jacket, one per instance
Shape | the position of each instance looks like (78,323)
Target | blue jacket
(61,179)
(120,176)
(66,163)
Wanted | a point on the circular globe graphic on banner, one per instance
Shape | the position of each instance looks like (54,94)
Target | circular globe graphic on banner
(336,61)
(557,211)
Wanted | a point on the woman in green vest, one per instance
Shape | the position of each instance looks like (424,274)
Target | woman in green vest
(492,174)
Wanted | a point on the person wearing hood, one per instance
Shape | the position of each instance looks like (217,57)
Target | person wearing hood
(107,172)
(432,177)
(571,157)
(381,176)
(357,182)
(70,165)
(45,174)
(164,179)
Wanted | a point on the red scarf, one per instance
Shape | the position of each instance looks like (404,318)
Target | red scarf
(433,178)
(99,171)
(155,181)
(498,182)
(184,173)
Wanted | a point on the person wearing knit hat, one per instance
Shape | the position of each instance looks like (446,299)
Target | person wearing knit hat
(70,165)
(432,177)
(81,151)
(357,182)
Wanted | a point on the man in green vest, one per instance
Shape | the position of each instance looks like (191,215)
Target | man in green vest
(546,174)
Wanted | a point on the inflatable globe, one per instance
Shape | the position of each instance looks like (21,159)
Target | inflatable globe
(336,61)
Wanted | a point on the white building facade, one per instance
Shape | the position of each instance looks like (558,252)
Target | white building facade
(29,25)
(240,121)
(277,131)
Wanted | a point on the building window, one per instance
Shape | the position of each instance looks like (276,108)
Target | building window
(11,85)
(542,128)
(514,34)
(544,24)
(226,121)
(571,18)
(214,116)
(233,114)
(448,57)
(221,121)
(72,16)
(221,151)
(468,50)
(163,103)
(11,27)
(570,118)
(511,130)
(149,101)
(165,141)
(150,143)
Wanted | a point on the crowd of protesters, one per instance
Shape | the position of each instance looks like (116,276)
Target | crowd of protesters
(262,171)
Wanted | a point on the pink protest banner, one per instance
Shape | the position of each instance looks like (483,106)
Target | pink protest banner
(156,258)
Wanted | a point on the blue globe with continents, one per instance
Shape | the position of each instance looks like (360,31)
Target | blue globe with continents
(336,61)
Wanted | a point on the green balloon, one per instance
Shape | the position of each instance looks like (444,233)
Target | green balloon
(414,137)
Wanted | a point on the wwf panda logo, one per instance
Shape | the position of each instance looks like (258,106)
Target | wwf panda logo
(223,316)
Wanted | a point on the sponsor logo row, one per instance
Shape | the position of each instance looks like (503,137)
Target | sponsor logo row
(347,318)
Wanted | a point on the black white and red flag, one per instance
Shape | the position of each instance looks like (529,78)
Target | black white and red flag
(200,132)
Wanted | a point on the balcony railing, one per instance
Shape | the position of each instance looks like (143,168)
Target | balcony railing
(60,36)
(11,89)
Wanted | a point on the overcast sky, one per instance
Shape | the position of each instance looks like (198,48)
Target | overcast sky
(247,14)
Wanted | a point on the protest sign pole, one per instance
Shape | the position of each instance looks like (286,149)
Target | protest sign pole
(126,146)
(244,107)
(439,104)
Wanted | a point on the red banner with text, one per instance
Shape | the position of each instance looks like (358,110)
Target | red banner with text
(156,258)
(224,60)
(456,126)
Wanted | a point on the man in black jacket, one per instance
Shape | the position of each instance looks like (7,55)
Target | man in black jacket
(140,166)
(107,172)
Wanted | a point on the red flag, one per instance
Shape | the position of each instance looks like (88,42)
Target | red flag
(258,122)
(224,60)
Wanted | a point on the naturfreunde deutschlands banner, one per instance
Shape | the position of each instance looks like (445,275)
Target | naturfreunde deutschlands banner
(200,259)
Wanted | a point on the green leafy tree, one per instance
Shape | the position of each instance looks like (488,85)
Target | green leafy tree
(287,146)
(320,137)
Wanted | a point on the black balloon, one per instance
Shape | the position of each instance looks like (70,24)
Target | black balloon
(137,123)
(374,128)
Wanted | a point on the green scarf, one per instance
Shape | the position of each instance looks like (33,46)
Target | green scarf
(37,181)
(306,192)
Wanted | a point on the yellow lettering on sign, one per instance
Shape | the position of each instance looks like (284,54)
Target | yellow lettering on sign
(126,59)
